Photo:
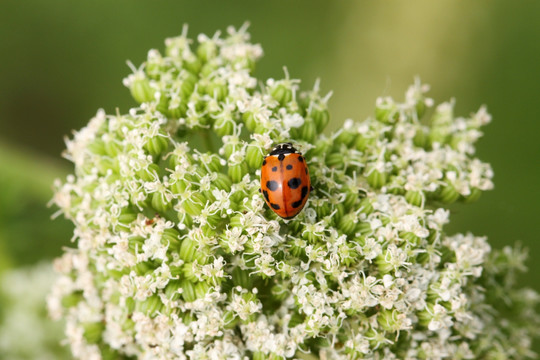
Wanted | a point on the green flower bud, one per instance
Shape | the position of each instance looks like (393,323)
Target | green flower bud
(160,203)
(223,182)
(347,224)
(105,164)
(386,111)
(188,291)
(217,90)
(259,355)
(254,156)
(348,254)
(362,142)
(72,299)
(322,146)
(473,196)
(179,186)
(193,65)
(130,304)
(163,104)
(189,272)
(421,138)
(448,194)
(335,159)
(396,185)
(112,148)
(320,116)
(209,162)
(382,264)
(363,228)
(249,120)
(150,306)
(426,315)
(194,204)
(387,319)
(376,179)
(237,172)
(176,110)
(150,173)
(126,217)
(410,237)
(415,198)
(261,129)
(321,206)
(203,255)
(230,147)
(438,135)
(172,237)
(188,248)
(141,90)
(207,50)
(144,267)
(282,91)
(351,197)
(229,320)
(339,213)
(224,125)
(308,131)
(280,292)
(93,331)
(171,290)
(97,147)
(298,246)
(135,243)
(309,234)
(241,278)
(208,69)
(201,289)
(346,137)
(420,108)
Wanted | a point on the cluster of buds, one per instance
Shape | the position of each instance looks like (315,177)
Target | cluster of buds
(177,256)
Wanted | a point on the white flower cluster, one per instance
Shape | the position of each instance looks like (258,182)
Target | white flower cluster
(178,257)
(26,332)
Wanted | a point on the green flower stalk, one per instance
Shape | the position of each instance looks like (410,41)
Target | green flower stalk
(177,256)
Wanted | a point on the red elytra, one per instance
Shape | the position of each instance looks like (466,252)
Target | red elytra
(285,182)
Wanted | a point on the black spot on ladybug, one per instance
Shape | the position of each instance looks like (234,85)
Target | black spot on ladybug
(272,185)
(274,169)
(289,167)
(265,193)
(281,157)
(303,195)
(294,183)
(304,192)
(300,158)
(275,206)
(264,162)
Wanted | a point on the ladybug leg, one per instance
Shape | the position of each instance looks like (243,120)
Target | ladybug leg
(310,188)
(260,190)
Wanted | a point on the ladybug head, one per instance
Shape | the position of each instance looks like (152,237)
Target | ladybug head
(283,148)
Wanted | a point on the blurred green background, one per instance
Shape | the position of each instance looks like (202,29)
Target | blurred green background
(62,60)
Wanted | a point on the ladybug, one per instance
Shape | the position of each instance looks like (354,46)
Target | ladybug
(285,182)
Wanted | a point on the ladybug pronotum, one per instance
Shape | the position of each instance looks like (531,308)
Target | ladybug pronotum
(285,182)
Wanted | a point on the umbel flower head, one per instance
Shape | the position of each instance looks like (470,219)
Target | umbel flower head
(178,257)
